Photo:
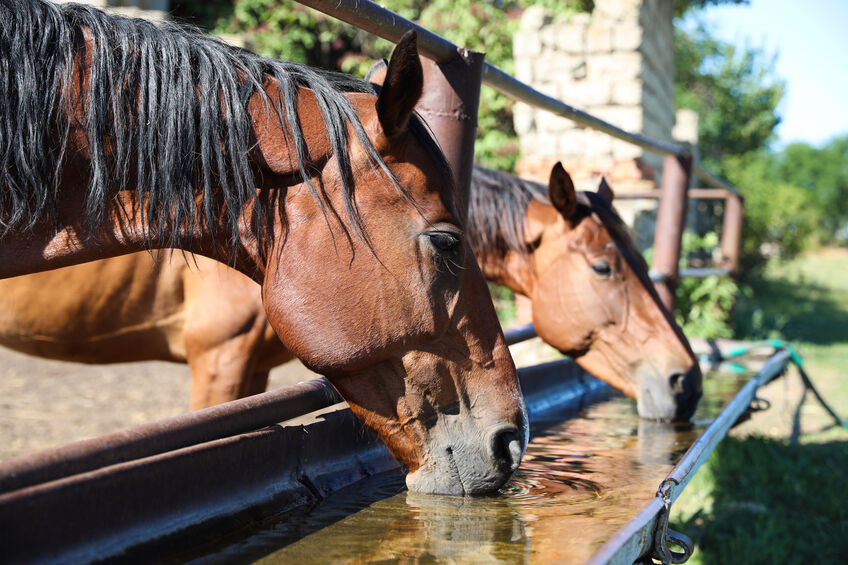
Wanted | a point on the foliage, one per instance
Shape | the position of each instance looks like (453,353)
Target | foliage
(504,301)
(704,305)
(733,91)
(286,30)
(792,198)
(823,175)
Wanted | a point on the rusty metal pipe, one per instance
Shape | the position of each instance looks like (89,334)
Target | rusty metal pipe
(384,23)
(449,106)
(225,420)
(731,232)
(671,219)
(694,194)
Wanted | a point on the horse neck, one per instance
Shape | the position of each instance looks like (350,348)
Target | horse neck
(44,247)
(70,239)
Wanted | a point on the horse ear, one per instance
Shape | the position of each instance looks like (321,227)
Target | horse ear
(561,192)
(402,86)
(377,73)
(605,191)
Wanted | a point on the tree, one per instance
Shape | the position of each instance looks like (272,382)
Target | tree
(733,91)
(823,174)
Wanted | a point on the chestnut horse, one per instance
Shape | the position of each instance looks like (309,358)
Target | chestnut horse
(591,295)
(212,317)
(117,135)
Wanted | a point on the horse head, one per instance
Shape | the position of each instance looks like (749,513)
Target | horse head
(392,307)
(335,199)
(593,300)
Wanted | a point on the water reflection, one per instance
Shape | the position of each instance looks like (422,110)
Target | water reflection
(580,481)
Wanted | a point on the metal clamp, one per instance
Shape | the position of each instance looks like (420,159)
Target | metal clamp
(664,535)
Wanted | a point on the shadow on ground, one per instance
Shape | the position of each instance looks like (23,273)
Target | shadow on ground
(772,502)
(795,310)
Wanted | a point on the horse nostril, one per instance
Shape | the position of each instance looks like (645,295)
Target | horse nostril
(505,447)
(675,383)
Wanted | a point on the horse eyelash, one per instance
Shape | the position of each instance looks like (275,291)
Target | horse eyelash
(445,264)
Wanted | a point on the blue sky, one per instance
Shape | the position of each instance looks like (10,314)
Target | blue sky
(810,38)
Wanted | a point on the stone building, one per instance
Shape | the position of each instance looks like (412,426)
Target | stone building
(616,63)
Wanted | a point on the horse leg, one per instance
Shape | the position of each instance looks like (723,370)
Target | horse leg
(255,383)
(222,373)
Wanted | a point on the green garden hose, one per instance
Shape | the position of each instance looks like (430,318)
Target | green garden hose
(796,360)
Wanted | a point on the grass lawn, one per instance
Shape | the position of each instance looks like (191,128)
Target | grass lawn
(776,490)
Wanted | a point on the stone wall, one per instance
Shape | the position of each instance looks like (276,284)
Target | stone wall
(616,63)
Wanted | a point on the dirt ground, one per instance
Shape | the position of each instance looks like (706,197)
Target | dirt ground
(46,404)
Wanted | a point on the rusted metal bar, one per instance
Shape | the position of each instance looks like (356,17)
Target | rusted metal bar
(731,232)
(225,420)
(636,539)
(512,87)
(449,105)
(384,23)
(694,194)
(705,175)
(692,274)
(519,334)
(671,219)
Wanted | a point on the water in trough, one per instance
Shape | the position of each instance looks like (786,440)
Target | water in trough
(581,480)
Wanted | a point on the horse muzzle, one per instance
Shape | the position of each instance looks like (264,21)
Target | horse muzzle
(671,397)
(467,462)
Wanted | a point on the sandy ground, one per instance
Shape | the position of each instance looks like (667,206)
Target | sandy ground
(45,404)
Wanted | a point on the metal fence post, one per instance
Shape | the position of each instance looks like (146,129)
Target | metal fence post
(449,105)
(731,232)
(671,219)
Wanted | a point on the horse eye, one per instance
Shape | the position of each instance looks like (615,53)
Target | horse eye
(445,242)
(602,268)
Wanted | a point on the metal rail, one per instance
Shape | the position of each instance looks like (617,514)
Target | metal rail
(373,18)
(174,498)
(222,421)
(638,538)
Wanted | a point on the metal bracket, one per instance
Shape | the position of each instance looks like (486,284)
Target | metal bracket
(664,535)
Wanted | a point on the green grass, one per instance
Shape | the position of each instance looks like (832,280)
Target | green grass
(760,500)
(771,500)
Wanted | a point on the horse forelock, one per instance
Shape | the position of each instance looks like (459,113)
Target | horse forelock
(149,102)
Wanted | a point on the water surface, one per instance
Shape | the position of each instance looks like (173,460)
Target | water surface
(580,481)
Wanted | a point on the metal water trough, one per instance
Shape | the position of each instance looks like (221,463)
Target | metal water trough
(140,489)
(647,535)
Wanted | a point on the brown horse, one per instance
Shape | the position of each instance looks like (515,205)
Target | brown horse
(592,299)
(117,135)
(212,317)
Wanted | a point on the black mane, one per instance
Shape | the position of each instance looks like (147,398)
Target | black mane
(171,106)
(496,211)
(498,206)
